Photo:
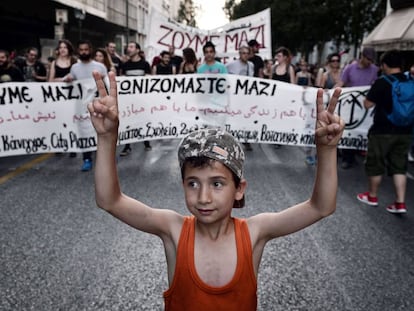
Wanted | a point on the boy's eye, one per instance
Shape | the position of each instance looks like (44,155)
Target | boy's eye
(193,184)
(218,184)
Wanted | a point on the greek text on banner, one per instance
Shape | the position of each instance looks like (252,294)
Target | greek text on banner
(53,117)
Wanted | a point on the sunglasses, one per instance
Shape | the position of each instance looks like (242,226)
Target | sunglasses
(334,61)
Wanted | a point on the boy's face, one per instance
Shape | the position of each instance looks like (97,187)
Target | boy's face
(210,191)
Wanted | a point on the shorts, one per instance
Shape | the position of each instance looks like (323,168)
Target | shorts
(387,153)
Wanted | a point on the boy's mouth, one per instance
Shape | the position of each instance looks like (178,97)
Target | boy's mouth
(205,211)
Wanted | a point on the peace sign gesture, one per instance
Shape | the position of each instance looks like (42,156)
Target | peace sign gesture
(104,110)
(329,126)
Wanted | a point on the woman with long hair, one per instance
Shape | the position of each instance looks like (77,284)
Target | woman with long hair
(333,73)
(102,56)
(60,67)
(283,70)
(190,63)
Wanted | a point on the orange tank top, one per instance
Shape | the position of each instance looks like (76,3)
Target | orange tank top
(189,292)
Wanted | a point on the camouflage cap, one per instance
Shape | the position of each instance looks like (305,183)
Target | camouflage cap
(215,144)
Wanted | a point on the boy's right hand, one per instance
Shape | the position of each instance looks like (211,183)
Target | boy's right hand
(104,110)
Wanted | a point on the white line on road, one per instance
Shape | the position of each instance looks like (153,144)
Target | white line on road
(270,155)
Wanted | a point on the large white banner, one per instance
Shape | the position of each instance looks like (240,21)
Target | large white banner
(164,32)
(53,117)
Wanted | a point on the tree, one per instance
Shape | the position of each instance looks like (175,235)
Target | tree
(186,13)
(300,25)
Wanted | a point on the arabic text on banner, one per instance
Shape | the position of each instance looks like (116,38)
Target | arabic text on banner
(53,117)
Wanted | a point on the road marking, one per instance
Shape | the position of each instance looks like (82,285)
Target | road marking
(268,150)
(25,167)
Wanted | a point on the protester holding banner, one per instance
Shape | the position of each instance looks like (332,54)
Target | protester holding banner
(31,67)
(225,251)
(332,75)
(175,60)
(60,67)
(164,67)
(241,66)
(135,66)
(255,58)
(303,76)
(210,64)
(267,70)
(115,58)
(190,63)
(360,73)
(83,70)
(102,56)
(283,69)
(8,71)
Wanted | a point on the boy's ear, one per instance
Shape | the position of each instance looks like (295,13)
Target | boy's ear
(241,189)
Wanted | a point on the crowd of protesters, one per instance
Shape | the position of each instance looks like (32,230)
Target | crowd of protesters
(65,66)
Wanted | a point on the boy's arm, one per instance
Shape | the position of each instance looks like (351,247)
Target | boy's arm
(329,128)
(104,116)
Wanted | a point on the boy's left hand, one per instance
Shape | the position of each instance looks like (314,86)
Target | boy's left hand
(329,126)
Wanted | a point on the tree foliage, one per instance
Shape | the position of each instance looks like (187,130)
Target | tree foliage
(186,13)
(300,25)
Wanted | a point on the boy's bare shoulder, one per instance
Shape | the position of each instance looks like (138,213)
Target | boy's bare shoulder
(170,220)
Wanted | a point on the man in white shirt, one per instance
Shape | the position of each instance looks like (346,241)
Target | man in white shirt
(83,70)
(242,66)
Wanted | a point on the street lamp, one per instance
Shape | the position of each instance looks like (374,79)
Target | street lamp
(80,16)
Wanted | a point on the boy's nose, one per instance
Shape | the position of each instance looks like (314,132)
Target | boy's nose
(204,195)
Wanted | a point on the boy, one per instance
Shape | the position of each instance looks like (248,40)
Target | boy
(212,258)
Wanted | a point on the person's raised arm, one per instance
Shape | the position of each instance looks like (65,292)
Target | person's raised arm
(328,131)
(105,119)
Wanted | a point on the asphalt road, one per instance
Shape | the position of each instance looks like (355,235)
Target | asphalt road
(59,252)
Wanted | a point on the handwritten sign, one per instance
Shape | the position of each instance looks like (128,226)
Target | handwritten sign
(164,32)
(53,117)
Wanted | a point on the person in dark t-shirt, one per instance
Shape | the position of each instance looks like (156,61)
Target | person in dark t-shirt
(256,59)
(164,67)
(135,66)
(8,71)
(388,143)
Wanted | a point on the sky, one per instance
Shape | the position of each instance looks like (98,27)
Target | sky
(210,14)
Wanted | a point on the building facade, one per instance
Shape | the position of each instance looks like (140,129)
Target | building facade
(42,23)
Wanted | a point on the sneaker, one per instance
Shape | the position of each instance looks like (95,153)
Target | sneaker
(126,151)
(87,165)
(397,208)
(309,160)
(367,199)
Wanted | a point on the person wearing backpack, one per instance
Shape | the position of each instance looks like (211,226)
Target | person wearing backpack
(410,75)
(390,135)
